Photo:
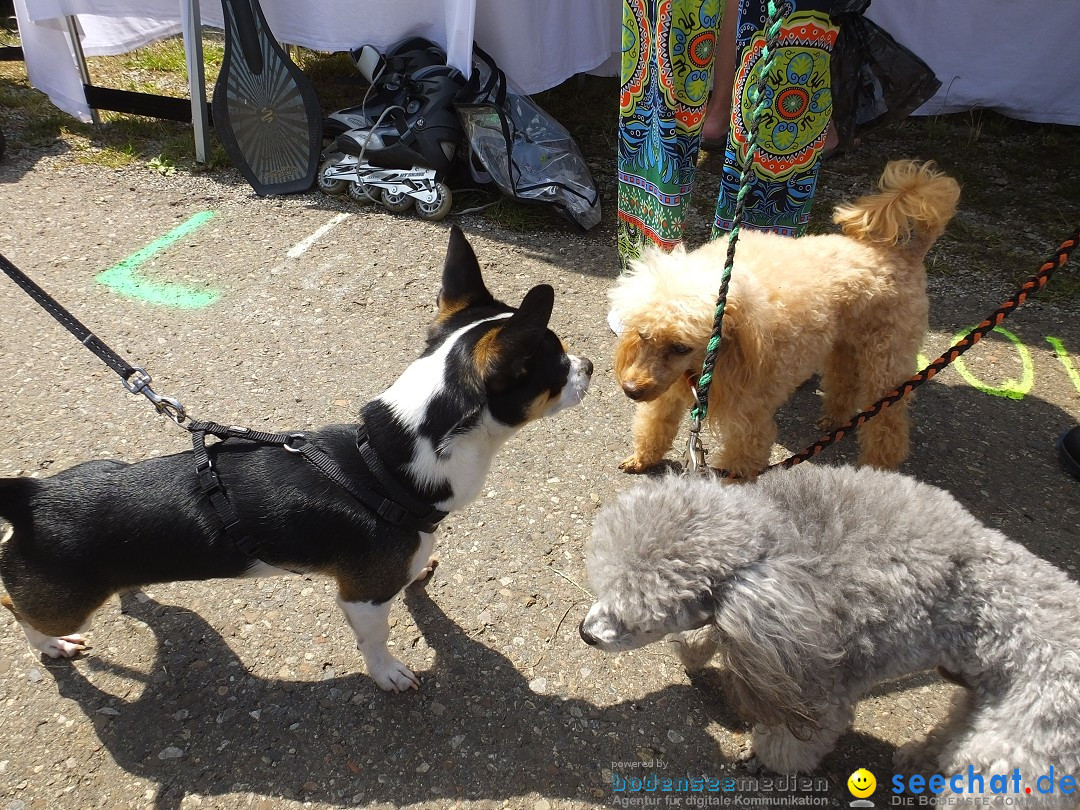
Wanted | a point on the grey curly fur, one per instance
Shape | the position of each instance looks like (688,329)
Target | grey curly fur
(818,583)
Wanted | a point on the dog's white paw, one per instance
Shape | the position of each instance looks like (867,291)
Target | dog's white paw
(58,646)
(54,646)
(748,761)
(427,570)
(67,646)
(393,676)
(695,648)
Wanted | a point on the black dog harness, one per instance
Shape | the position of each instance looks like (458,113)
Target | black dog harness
(395,504)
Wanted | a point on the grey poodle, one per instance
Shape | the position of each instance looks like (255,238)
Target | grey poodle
(817,583)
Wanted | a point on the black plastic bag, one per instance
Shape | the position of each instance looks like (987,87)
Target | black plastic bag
(875,80)
(525,152)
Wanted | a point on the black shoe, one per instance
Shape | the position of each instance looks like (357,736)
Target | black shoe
(1069,449)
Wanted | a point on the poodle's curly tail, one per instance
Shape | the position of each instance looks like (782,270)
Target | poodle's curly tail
(914,203)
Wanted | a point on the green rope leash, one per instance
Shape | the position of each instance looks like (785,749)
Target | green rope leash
(694,450)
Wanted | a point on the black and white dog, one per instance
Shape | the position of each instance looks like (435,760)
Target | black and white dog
(103,527)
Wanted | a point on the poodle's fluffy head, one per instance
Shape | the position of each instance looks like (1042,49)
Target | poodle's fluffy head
(667,316)
(650,565)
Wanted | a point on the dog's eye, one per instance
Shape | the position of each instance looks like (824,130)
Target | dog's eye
(680,348)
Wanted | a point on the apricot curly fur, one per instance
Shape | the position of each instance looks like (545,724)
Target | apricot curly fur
(851,306)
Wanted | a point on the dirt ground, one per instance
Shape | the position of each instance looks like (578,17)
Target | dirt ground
(241,694)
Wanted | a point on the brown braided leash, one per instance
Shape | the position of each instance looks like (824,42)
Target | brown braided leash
(1031,285)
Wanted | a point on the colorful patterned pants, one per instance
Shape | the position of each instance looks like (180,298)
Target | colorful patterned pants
(668,48)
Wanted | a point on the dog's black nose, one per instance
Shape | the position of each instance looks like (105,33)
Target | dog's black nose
(586,366)
(632,391)
(585,634)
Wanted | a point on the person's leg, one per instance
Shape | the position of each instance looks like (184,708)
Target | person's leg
(793,125)
(666,73)
(714,128)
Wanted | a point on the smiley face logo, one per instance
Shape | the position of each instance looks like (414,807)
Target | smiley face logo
(861,783)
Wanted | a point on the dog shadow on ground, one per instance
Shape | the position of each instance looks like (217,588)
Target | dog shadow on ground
(853,750)
(995,454)
(200,724)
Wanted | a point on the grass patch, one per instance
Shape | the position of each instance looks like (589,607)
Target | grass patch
(167,56)
(524,218)
(30,121)
(334,77)
(42,132)
(178,149)
(116,156)
(18,96)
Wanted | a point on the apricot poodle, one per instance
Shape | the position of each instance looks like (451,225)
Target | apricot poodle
(850,306)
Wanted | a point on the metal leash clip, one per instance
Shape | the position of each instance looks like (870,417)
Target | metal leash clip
(138,382)
(694,457)
(295,443)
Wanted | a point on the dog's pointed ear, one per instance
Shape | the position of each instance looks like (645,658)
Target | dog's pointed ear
(531,319)
(462,283)
(515,342)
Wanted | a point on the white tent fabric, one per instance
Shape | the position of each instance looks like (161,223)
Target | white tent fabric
(1017,57)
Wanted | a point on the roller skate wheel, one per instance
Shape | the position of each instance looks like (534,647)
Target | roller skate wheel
(333,187)
(396,201)
(439,207)
(363,193)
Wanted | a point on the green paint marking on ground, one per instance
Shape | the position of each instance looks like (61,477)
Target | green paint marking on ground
(1010,388)
(1063,356)
(124,279)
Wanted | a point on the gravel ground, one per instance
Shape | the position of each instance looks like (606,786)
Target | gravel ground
(251,694)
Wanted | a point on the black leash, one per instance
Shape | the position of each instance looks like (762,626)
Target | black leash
(135,379)
(398,507)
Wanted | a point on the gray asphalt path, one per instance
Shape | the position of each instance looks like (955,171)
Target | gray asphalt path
(251,694)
